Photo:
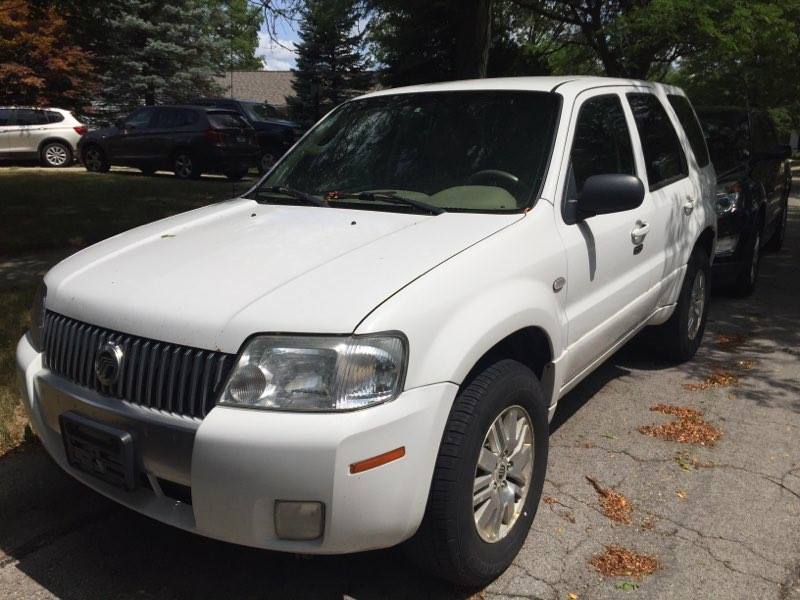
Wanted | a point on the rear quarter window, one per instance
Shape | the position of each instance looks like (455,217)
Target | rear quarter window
(663,153)
(53,116)
(227,120)
(683,109)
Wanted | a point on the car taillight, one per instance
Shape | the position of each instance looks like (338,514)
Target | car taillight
(81,129)
(214,136)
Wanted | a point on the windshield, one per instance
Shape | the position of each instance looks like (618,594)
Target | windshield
(466,151)
(727,136)
(259,112)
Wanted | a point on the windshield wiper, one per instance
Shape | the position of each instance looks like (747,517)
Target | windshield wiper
(296,194)
(390,197)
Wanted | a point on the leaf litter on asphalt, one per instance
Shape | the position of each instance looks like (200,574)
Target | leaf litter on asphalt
(617,561)
(615,506)
(717,378)
(689,428)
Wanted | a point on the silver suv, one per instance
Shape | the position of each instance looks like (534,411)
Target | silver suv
(48,134)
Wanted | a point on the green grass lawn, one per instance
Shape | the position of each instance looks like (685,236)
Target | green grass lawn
(46,214)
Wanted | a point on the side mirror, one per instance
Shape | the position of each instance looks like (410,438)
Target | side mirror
(604,194)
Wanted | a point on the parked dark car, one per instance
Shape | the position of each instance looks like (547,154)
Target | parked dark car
(753,183)
(275,134)
(188,140)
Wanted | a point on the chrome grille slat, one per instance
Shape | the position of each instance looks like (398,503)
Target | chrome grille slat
(160,375)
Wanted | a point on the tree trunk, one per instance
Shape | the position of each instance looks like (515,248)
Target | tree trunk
(473,37)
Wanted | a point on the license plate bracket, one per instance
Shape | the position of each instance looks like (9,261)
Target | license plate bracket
(97,449)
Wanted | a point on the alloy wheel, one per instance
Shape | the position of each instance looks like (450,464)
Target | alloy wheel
(697,304)
(55,155)
(93,159)
(183,166)
(503,474)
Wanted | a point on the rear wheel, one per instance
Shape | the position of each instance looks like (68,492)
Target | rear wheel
(488,477)
(56,154)
(185,166)
(681,335)
(95,160)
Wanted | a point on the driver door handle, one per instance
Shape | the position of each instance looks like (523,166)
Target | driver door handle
(639,232)
(688,206)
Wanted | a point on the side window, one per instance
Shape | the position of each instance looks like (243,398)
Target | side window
(663,153)
(688,119)
(29,116)
(139,119)
(53,116)
(166,118)
(602,143)
(6,116)
(188,117)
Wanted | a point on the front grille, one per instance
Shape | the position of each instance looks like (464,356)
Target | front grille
(167,377)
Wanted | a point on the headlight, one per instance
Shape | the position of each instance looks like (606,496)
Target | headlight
(728,196)
(37,318)
(305,373)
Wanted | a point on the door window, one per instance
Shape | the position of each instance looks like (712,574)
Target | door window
(663,153)
(29,116)
(139,119)
(6,116)
(683,109)
(602,143)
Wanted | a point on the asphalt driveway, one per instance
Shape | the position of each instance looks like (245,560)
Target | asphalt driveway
(723,521)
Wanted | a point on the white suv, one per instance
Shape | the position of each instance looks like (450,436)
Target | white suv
(367,347)
(48,134)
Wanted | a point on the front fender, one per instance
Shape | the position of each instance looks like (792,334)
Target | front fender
(457,312)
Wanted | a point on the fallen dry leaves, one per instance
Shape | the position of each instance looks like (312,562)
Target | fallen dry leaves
(688,428)
(718,378)
(729,341)
(564,514)
(617,561)
(615,506)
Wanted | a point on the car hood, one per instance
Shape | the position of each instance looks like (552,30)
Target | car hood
(211,277)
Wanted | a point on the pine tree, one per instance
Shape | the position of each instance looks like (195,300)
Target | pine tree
(239,24)
(161,52)
(331,66)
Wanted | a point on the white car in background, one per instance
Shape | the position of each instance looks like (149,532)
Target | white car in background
(367,347)
(48,134)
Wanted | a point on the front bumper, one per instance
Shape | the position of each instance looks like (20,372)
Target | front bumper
(238,462)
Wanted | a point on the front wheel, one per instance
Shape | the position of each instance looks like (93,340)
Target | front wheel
(95,160)
(488,477)
(56,154)
(185,167)
(681,335)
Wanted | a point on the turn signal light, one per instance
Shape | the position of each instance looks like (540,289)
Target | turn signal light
(377,461)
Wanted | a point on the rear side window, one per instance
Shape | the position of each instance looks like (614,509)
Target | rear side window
(602,143)
(226,120)
(53,116)
(688,119)
(173,118)
(663,153)
(5,116)
(29,116)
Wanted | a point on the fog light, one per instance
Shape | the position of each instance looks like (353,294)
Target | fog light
(299,520)
(726,245)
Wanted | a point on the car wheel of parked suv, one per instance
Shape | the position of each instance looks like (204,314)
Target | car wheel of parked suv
(746,281)
(488,477)
(94,159)
(56,154)
(185,167)
(775,243)
(265,162)
(681,335)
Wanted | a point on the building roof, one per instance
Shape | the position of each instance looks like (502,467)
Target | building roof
(272,87)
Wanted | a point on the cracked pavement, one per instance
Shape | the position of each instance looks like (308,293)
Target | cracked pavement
(724,521)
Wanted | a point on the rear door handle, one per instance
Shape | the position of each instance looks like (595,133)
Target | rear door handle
(639,232)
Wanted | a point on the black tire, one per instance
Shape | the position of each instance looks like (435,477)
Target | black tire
(674,338)
(95,159)
(268,158)
(775,242)
(746,280)
(56,155)
(185,166)
(236,174)
(448,543)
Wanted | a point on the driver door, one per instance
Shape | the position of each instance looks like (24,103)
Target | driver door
(608,255)
(126,145)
